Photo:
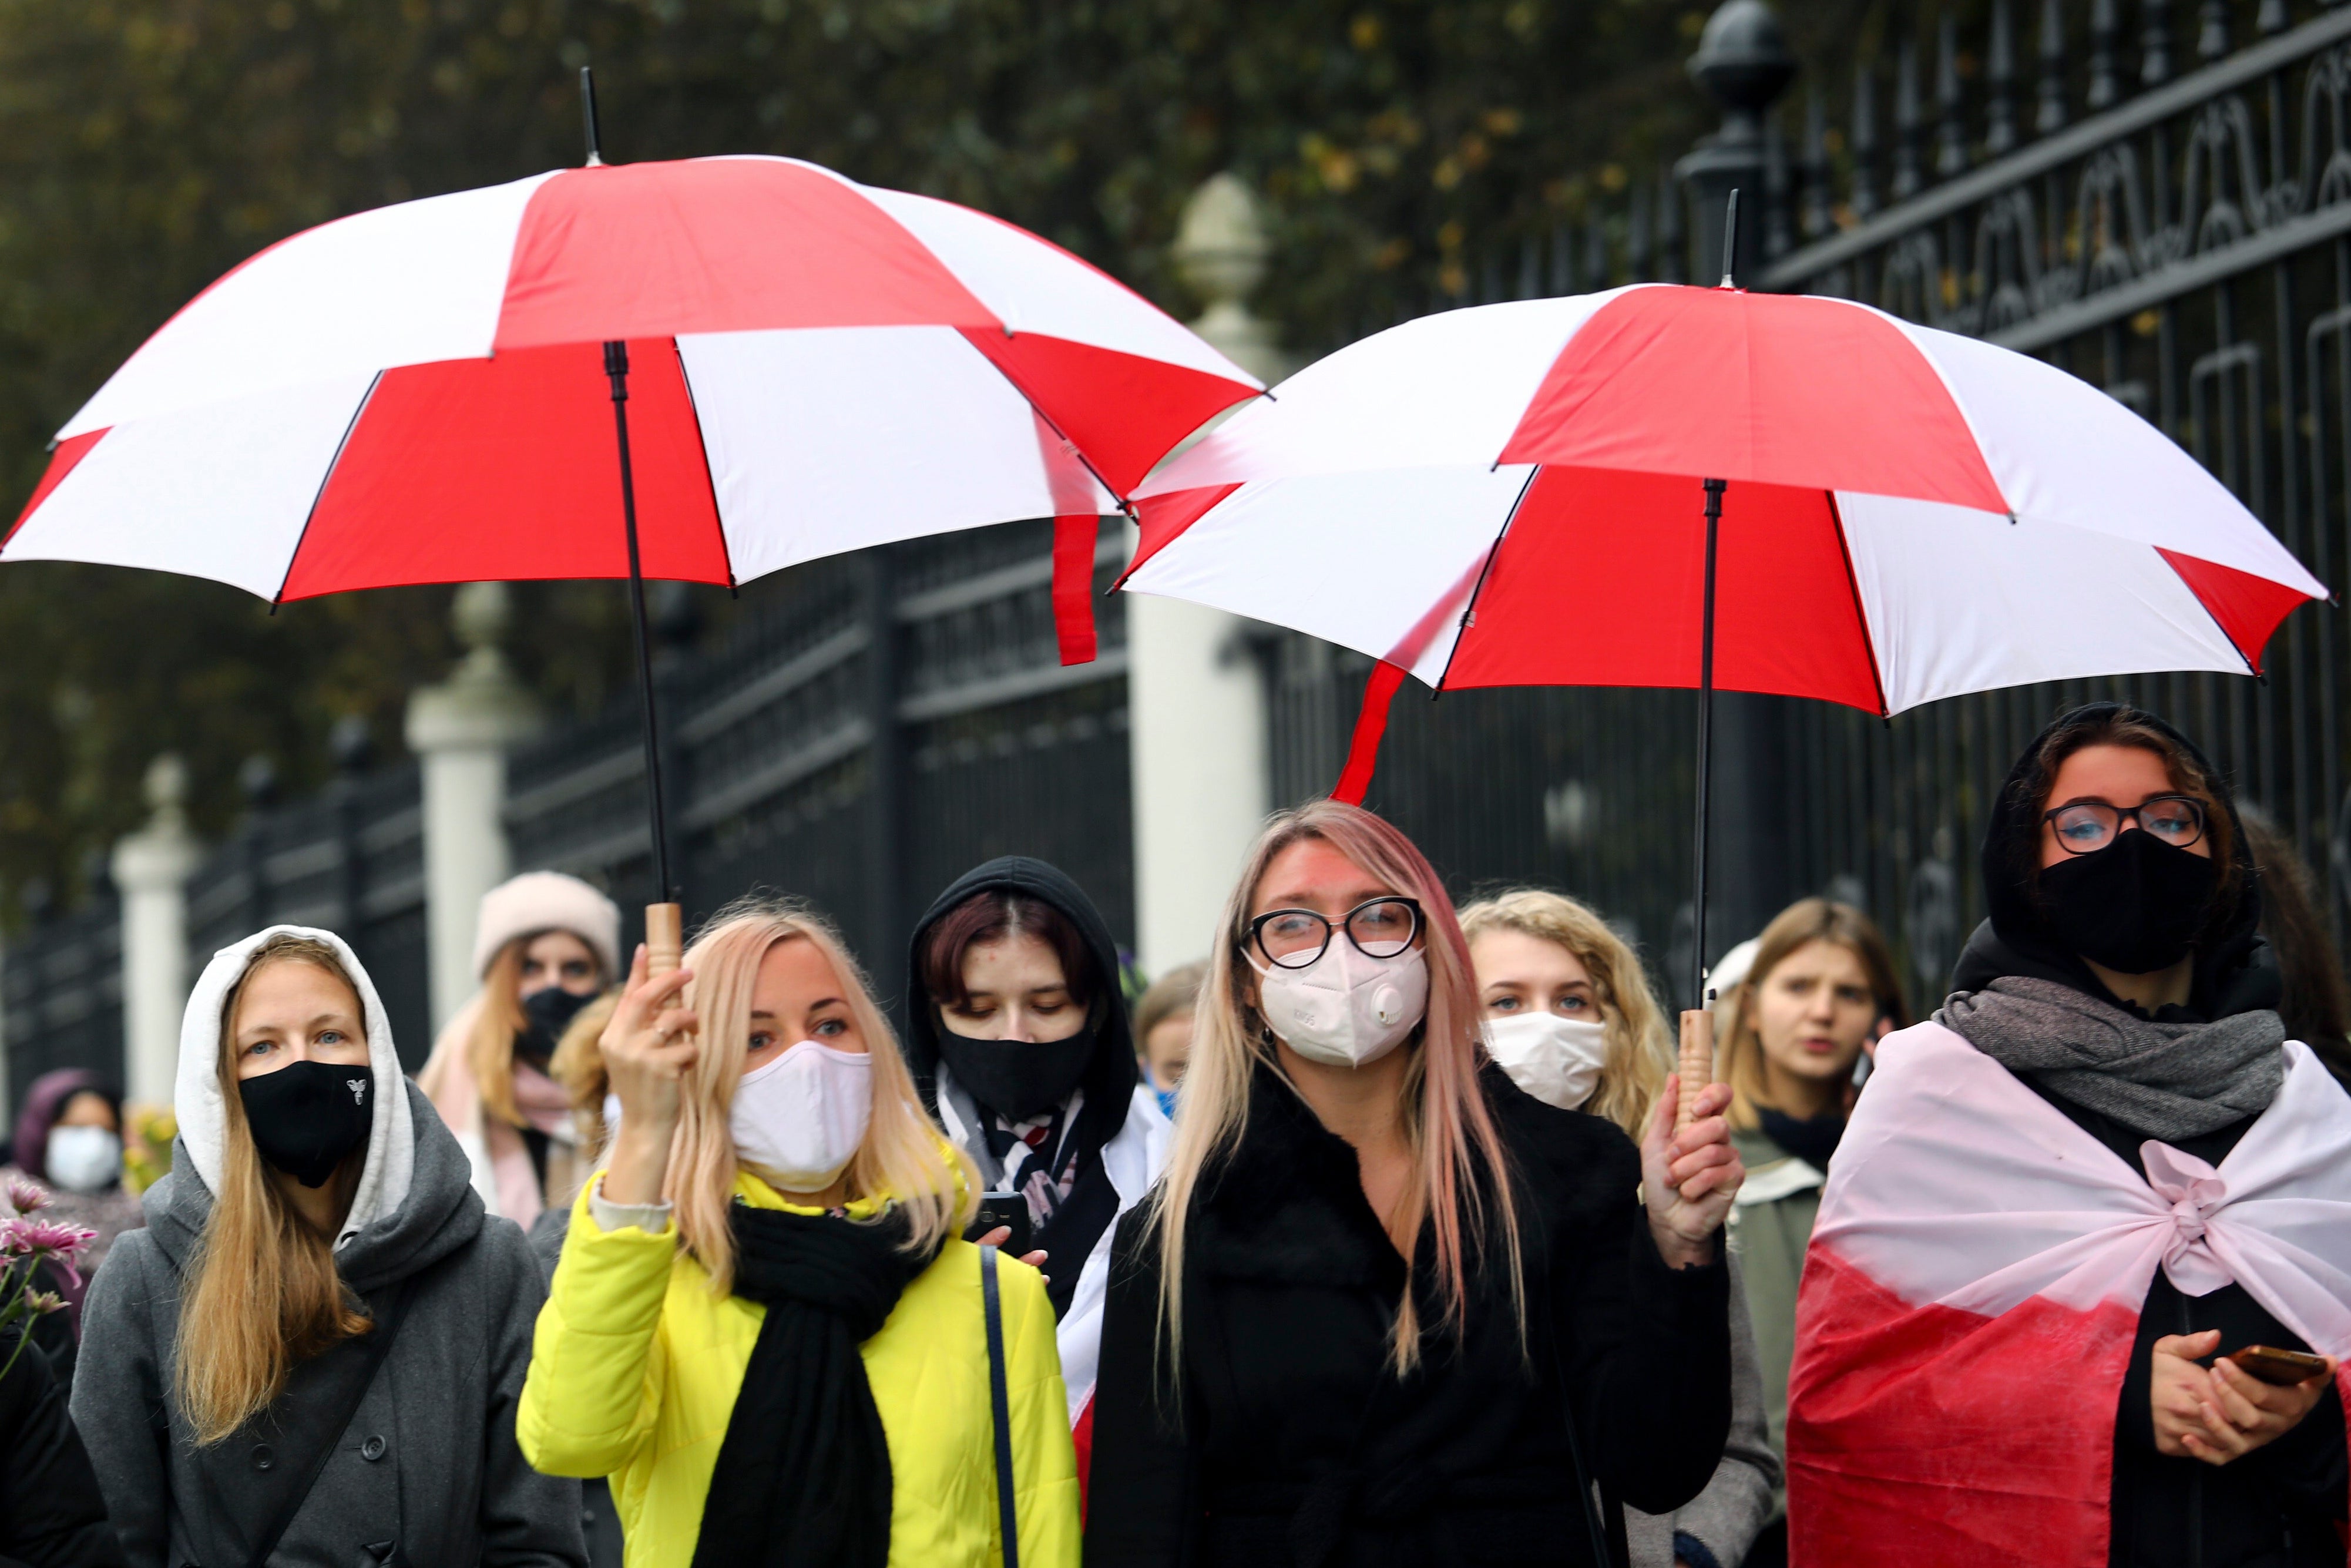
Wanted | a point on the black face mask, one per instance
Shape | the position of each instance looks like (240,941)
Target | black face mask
(550,1012)
(2134,906)
(1017,1079)
(306,1117)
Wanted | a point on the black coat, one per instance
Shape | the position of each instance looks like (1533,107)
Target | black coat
(51,1512)
(1290,1441)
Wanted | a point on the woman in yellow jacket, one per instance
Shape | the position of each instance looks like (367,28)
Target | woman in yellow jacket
(765,1327)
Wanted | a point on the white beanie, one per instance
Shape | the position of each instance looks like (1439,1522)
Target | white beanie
(540,901)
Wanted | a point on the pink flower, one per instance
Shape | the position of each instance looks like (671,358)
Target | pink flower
(24,1237)
(26,1197)
(45,1301)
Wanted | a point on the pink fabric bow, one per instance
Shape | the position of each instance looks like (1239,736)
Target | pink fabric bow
(2196,1194)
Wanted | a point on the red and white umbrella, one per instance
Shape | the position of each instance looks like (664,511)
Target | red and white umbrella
(1517,494)
(702,371)
(418,394)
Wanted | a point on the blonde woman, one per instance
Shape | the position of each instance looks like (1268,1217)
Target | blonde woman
(1385,1306)
(317,1220)
(544,947)
(1570,1016)
(765,1327)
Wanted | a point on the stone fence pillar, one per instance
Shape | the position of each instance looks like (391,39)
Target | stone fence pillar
(460,731)
(151,868)
(1195,698)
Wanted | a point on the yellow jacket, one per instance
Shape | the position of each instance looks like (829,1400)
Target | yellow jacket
(636,1367)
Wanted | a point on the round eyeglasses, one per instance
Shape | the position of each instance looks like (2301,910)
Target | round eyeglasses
(1294,938)
(2087,826)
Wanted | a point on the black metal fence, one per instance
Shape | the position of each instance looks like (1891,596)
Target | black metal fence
(876,725)
(352,861)
(62,989)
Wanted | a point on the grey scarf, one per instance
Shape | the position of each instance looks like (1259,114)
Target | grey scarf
(2168,1081)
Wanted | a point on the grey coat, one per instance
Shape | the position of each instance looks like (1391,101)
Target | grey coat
(1740,1498)
(428,1464)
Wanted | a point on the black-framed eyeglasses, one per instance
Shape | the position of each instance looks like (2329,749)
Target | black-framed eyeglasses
(1293,939)
(2087,826)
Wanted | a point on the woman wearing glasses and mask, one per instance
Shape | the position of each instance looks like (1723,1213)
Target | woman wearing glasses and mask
(2076,1290)
(1385,1306)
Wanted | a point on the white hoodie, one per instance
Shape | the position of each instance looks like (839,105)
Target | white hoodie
(196,1096)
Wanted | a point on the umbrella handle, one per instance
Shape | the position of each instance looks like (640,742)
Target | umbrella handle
(1696,1064)
(665,938)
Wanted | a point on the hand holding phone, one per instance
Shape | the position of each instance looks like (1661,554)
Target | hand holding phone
(1001,1210)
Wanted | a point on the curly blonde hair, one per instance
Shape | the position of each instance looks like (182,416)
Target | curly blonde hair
(1640,1050)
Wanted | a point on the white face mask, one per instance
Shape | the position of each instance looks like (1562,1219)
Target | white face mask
(801,1118)
(1346,1008)
(84,1159)
(1556,1059)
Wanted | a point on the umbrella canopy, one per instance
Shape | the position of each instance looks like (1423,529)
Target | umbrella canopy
(418,394)
(1908,514)
(1664,485)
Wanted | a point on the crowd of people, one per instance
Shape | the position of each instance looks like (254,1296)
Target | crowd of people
(1384,1233)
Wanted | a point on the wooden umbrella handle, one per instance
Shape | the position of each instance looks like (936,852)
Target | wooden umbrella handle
(1696,1064)
(665,938)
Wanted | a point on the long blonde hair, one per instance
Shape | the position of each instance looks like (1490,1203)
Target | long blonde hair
(262,1293)
(904,1157)
(1801,923)
(1459,1165)
(1640,1052)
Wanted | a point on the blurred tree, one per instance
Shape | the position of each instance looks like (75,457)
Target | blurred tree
(147,145)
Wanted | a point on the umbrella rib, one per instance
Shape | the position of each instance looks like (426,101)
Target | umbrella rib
(324,479)
(1469,611)
(1860,611)
(1075,450)
(694,412)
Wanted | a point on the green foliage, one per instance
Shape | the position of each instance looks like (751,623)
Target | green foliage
(147,145)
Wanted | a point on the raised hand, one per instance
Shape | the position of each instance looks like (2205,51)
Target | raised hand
(649,1047)
(1688,1177)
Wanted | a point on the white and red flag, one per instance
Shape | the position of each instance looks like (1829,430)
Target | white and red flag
(1972,1295)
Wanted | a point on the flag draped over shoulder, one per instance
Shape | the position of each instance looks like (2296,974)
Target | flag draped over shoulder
(1973,1293)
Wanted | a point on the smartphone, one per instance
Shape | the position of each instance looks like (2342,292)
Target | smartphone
(2278,1366)
(999,1209)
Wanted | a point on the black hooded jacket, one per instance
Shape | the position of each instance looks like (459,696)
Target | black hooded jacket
(1111,1073)
(2279,1506)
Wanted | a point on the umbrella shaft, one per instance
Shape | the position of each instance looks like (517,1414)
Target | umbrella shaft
(616,366)
(1714,488)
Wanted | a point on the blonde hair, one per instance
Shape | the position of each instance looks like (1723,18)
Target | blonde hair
(578,1065)
(262,1293)
(905,1157)
(1801,923)
(1640,1052)
(1459,1165)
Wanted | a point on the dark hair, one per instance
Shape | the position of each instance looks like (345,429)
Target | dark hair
(991,916)
(2126,727)
(2316,1004)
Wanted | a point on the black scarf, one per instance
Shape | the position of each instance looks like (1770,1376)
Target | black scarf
(803,1475)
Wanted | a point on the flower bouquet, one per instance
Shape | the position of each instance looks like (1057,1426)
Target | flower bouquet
(27,1243)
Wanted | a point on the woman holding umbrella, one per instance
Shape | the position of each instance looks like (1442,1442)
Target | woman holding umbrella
(1383,1300)
(2102,1163)
(1020,1039)
(1570,1016)
(766,1326)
